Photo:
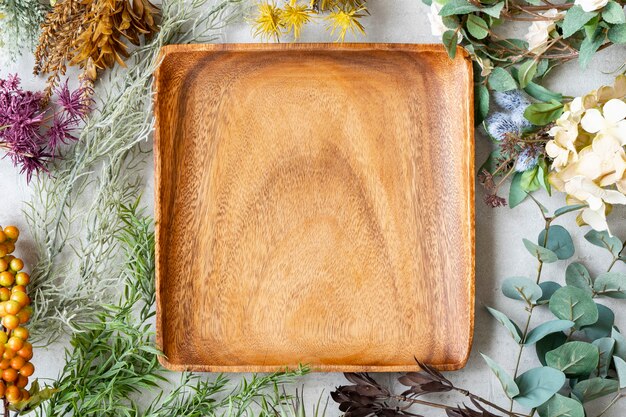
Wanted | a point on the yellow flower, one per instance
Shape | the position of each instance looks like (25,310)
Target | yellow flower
(344,19)
(267,23)
(293,17)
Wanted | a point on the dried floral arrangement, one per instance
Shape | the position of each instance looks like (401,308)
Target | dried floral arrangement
(31,131)
(273,22)
(577,147)
(557,33)
(582,353)
(19,25)
(91,34)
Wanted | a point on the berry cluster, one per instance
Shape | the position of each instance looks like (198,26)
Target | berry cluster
(15,311)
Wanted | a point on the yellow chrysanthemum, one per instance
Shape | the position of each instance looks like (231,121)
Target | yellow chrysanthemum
(267,23)
(344,19)
(293,17)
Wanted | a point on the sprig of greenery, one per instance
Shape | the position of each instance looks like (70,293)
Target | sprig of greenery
(77,271)
(19,25)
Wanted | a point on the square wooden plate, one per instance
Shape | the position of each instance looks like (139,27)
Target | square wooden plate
(314,204)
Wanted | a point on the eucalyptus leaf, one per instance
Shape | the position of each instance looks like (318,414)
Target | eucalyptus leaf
(521,288)
(548,288)
(620,368)
(509,324)
(571,303)
(477,27)
(501,80)
(620,343)
(617,33)
(559,241)
(449,40)
(516,193)
(611,284)
(604,240)
(547,328)
(560,406)
(508,384)
(481,103)
(549,343)
(568,209)
(603,326)
(574,358)
(538,385)
(576,275)
(543,254)
(575,19)
(454,7)
(541,114)
(613,13)
(594,388)
(605,346)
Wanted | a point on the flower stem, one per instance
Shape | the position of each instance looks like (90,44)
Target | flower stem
(531,307)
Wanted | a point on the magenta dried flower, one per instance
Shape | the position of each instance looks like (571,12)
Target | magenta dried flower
(31,130)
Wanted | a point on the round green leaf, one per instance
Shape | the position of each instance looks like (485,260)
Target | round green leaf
(613,13)
(617,33)
(477,27)
(548,288)
(508,384)
(620,368)
(501,80)
(578,276)
(548,343)
(560,406)
(539,252)
(538,385)
(594,388)
(603,326)
(605,346)
(516,193)
(547,328)
(574,358)
(620,343)
(559,241)
(570,303)
(611,284)
(521,288)
(575,19)
(604,240)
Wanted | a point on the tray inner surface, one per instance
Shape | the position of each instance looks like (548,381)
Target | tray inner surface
(314,205)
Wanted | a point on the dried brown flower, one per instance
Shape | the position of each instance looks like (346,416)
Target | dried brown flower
(92,34)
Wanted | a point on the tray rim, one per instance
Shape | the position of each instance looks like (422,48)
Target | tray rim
(461,54)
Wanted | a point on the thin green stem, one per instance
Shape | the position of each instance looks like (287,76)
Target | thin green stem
(531,307)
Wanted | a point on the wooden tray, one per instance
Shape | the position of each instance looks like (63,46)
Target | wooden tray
(314,204)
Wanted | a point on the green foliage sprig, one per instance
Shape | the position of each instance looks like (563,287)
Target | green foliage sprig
(19,25)
(582,353)
(77,273)
(558,32)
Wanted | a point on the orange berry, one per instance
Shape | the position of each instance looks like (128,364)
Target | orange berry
(4,249)
(4,264)
(2,389)
(8,353)
(18,288)
(3,337)
(26,352)
(21,332)
(15,343)
(21,298)
(21,382)
(9,375)
(23,316)
(25,395)
(6,279)
(5,294)
(10,246)
(12,307)
(5,364)
(16,264)
(27,370)
(12,232)
(22,278)
(17,363)
(11,321)
(12,394)
(3,236)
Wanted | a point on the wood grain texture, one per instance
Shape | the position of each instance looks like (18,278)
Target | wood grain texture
(314,204)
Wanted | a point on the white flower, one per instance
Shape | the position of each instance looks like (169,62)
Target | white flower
(591,5)
(562,149)
(539,31)
(587,191)
(609,122)
(437,27)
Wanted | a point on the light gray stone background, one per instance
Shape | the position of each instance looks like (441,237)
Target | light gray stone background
(499,249)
